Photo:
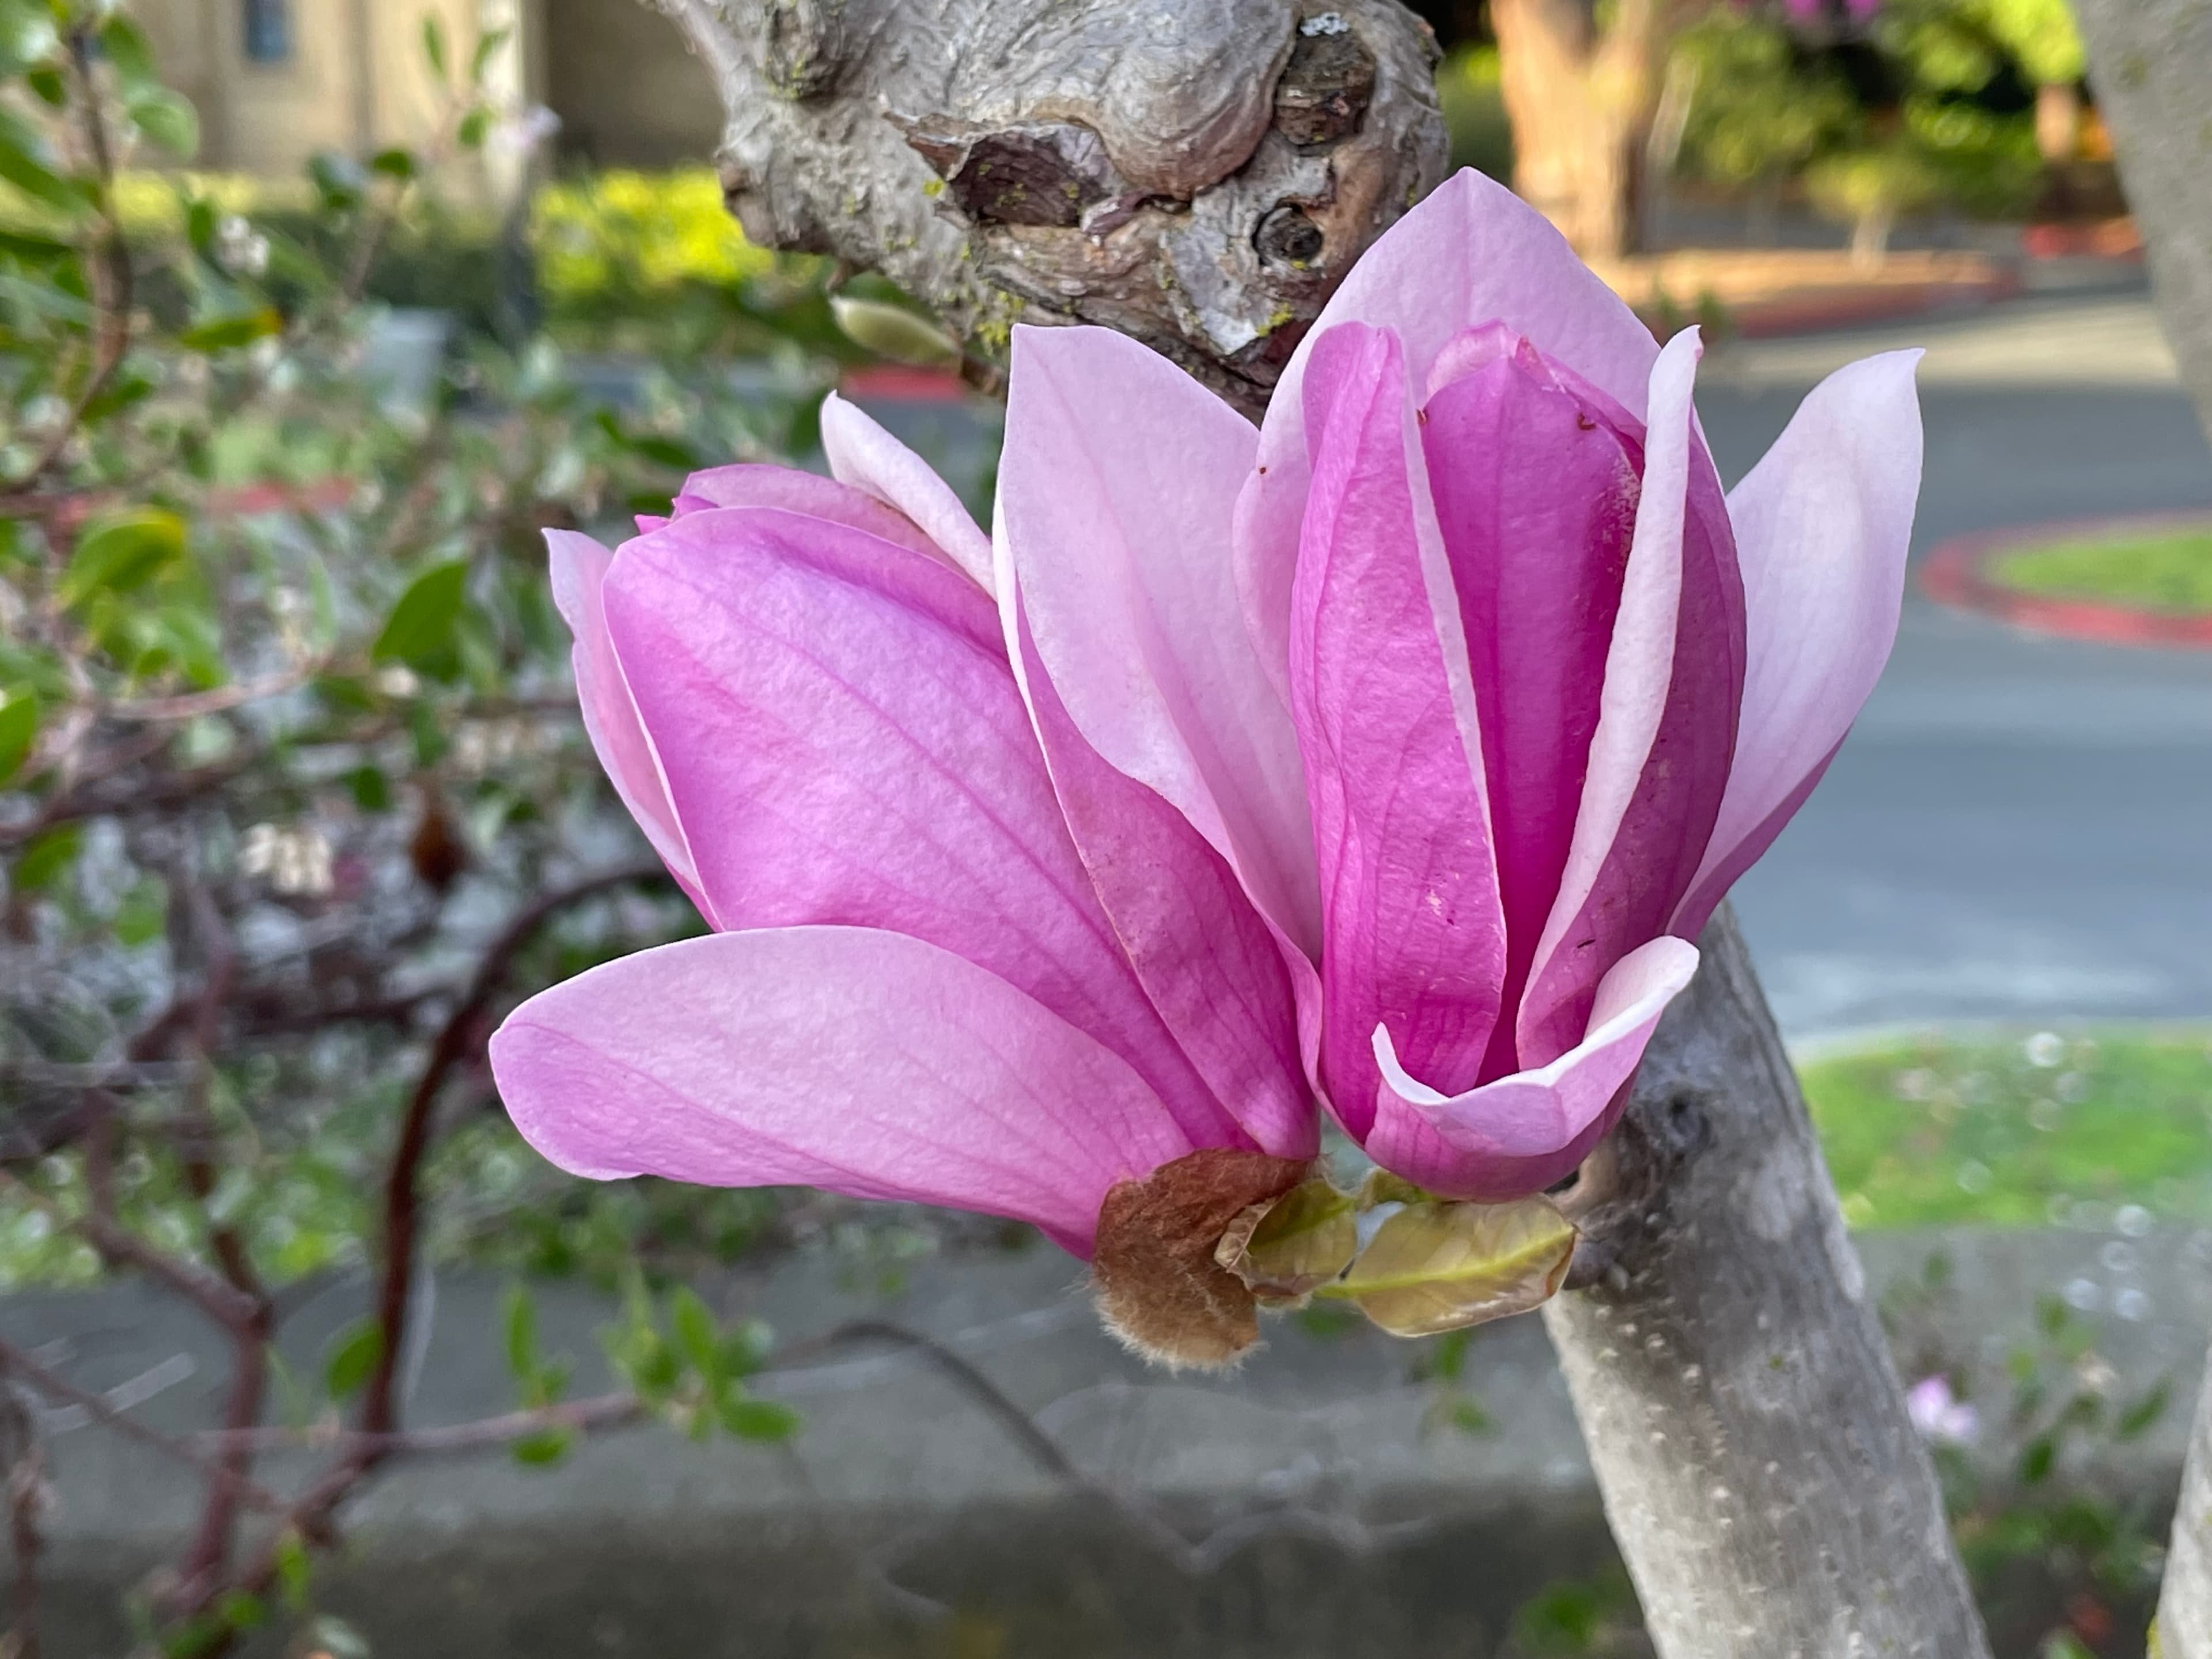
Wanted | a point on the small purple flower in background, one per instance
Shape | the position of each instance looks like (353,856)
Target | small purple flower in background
(1941,1416)
(1387,758)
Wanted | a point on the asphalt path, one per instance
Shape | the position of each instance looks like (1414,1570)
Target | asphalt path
(2018,829)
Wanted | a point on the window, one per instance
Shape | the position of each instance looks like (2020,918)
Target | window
(268,30)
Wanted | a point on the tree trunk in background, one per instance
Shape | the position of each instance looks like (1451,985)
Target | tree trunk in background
(2150,62)
(1747,1428)
(1579,97)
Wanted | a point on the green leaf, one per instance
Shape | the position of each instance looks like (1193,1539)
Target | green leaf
(520,1323)
(420,626)
(697,1332)
(352,1357)
(168,118)
(143,915)
(118,552)
(470,135)
(19,729)
(751,1418)
(337,179)
(894,333)
(226,333)
(47,857)
(2037,1460)
(544,1447)
(22,164)
(487,46)
(241,1611)
(394,163)
(434,45)
(1286,1247)
(372,790)
(294,1571)
(32,250)
(125,47)
(46,82)
(2136,1421)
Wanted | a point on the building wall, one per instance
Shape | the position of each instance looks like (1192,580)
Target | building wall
(617,72)
(626,86)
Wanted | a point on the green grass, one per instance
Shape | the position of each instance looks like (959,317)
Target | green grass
(2020,1130)
(2165,571)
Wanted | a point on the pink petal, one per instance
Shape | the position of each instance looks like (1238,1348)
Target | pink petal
(1822,527)
(866,1062)
(1413,939)
(578,570)
(862,454)
(1535,483)
(1471,253)
(841,729)
(1115,493)
(787,490)
(1211,965)
(1659,761)
(1522,1133)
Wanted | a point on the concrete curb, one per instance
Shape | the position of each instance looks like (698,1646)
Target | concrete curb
(1955,572)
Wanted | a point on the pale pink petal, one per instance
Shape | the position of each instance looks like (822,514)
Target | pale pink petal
(787,490)
(1211,964)
(1522,1133)
(840,731)
(1471,253)
(1116,492)
(1822,527)
(1659,761)
(1535,484)
(579,569)
(865,1062)
(862,454)
(1412,938)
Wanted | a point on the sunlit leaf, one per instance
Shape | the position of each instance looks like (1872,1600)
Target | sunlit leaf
(1435,1266)
(239,329)
(751,1418)
(120,551)
(352,1359)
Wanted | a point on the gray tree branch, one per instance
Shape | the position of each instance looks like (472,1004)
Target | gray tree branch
(1733,1382)
(1197,177)
(2151,61)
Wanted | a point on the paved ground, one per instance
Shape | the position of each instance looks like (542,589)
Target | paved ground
(2018,828)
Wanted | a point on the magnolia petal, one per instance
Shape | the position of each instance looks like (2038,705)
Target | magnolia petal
(1659,760)
(1823,524)
(1434,1267)
(1208,961)
(579,569)
(838,723)
(862,454)
(1413,935)
(787,490)
(1116,492)
(1522,1133)
(1288,1248)
(1471,253)
(1535,482)
(865,1062)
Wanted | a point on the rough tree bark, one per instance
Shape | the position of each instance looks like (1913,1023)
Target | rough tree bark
(1747,1426)
(1195,174)
(2149,64)
(1732,1380)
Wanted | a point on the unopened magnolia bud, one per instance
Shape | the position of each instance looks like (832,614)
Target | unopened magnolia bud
(894,333)
(1159,1288)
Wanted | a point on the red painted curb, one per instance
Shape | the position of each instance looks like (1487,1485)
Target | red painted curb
(1954,573)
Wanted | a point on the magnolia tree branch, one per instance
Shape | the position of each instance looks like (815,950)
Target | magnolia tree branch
(2150,60)
(1732,1380)
(1195,175)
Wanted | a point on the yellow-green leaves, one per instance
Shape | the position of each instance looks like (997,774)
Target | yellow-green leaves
(1288,1248)
(120,551)
(1435,1266)
(1429,1264)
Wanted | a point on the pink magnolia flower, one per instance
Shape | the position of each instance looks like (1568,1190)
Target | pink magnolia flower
(1389,755)
(1941,1416)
